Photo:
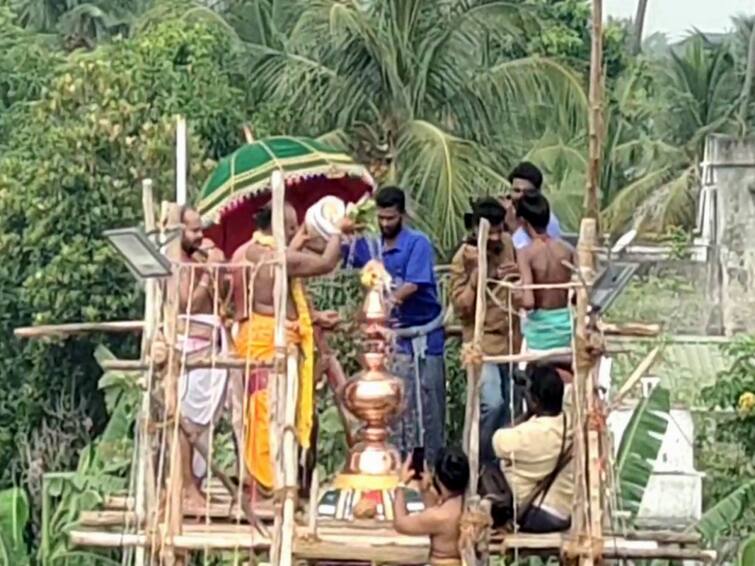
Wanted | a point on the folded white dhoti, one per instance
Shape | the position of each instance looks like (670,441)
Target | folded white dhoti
(201,390)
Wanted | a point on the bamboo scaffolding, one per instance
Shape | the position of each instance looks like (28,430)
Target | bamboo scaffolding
(530,356)
(200,362)
(284,389)
(516,286)
(630,329)
(471,438)
(174,515)
(145,479)
(638,373)
(587,517)
(75,328)
(385,547)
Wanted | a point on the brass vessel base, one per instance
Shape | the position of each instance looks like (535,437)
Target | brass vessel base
(365,482)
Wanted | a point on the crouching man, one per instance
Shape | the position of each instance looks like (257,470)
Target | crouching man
(443,496)
(536,467)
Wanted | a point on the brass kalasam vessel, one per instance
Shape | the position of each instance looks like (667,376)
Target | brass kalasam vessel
(375,397)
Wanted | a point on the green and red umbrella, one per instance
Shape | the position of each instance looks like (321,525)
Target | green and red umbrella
(240,184)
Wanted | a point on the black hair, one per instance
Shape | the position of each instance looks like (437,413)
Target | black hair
(264,217)
(535,210)
(529,172)
(389,197)
(490,209)
(452,470)
(546,387)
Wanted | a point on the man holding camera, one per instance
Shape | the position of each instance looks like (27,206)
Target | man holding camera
(501,334)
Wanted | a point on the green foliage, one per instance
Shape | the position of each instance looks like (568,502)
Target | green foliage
(727,446)
(564,33)
(102,469)
(721,517)
(639,447)
(14,514)
(72,168)
(747,552)
(428,94)
(26,66)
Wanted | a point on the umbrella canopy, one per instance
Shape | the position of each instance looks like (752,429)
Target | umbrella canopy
(240,184)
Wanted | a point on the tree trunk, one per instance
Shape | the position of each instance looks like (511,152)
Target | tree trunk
(639,24)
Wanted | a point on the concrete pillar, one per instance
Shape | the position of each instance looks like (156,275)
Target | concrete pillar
(731,163)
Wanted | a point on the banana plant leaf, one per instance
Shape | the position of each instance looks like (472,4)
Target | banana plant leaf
(240,184)
(639,448)
(747,552)
(719,518)
(14,513)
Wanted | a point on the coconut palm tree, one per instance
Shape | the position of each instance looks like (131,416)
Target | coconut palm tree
(692,94)
(423,86)
(78,20)
(657,117)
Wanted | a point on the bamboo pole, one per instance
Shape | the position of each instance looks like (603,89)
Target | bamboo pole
(474,370)
(218,473)
(181,160)
(529,356)
(630,329)
(284,384)
(588,480)
(145,481)
(174,515)
(638,373)
(592,207)
(386,548)
(75,328)
(200,362)
(314,494)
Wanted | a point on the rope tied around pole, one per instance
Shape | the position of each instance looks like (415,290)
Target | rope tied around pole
(475,526)
(471,355)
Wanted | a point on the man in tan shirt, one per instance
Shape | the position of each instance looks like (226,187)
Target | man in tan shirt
(531,451)
(501,332)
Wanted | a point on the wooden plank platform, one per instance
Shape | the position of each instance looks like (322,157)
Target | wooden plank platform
(370,541)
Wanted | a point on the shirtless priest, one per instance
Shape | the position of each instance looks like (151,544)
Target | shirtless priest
(200,332)
(256,336)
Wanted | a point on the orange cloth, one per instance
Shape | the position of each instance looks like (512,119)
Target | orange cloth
(256,341)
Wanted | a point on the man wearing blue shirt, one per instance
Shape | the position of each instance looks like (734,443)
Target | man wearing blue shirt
(417,320)
(525,178)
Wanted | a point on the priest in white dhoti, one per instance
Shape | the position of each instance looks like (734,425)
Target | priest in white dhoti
(200,335)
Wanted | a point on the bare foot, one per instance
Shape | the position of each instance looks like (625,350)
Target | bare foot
(194,503)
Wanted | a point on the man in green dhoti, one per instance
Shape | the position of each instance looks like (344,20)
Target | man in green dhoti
(549,321)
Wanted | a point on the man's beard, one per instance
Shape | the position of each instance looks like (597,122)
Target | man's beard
(495,247)
(190,247)
(393,232)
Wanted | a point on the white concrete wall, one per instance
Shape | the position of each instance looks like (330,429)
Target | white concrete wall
(731,165)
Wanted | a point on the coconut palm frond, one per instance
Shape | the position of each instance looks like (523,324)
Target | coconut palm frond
(621,212)
(444,172)
(672,204)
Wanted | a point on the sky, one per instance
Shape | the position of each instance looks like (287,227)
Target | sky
(676,17)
